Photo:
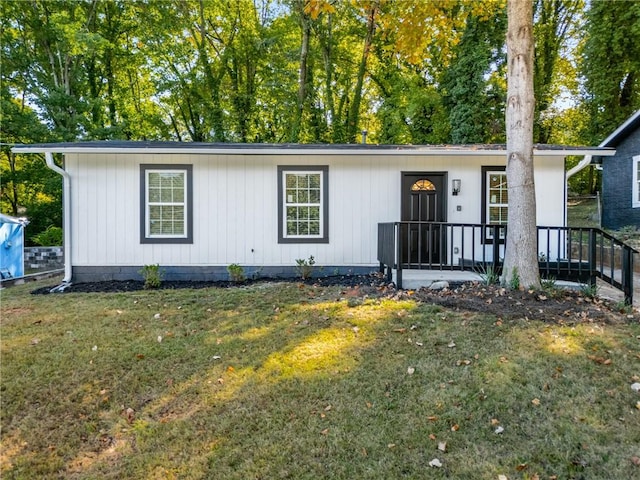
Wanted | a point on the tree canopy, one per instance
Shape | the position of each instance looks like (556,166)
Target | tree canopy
(308,71)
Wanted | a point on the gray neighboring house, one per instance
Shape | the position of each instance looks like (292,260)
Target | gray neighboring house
(621,176)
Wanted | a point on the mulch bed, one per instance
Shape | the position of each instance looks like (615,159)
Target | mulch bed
(564,306)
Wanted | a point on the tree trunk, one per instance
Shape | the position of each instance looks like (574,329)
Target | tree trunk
(302,77)
(354,113)
(521,257)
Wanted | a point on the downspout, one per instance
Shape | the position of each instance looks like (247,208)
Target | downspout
(66,197)
(582,164)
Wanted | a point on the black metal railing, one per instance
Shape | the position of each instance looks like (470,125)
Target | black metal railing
(564,253)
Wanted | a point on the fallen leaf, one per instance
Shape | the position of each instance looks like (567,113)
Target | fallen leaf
(432,418)
(536,401)
(495,421)
(600,360)
(139,356)
(521,467)
(327,408)
(635,461)
(502,477)
(391,445)
(442,446)
(504,359)
(94,348)
(411,370)
(156,316)
(451,344)
(325,431)
(35,341)
(455,428)
(432,436)
(230,369)
(435,463)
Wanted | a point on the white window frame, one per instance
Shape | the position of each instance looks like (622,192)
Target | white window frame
(283,202)
(145,208)
(635,186)
(489,173)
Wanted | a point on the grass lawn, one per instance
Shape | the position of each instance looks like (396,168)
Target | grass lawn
(279,381)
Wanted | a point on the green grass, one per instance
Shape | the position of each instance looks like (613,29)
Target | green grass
(288,381)
(582,212)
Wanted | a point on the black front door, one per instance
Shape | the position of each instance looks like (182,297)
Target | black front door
(423,200)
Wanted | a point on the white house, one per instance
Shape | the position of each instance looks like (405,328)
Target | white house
(195,208)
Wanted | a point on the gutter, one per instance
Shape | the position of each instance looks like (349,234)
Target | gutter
(66,198)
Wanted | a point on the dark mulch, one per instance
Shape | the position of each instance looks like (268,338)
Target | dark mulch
(114,286)
(565,306)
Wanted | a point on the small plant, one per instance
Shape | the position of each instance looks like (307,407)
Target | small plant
(51,237)
(236,273)
(548,284)
(589,291)
(488,273)
(152,276)
(304,267)
(514,281)
(623,307)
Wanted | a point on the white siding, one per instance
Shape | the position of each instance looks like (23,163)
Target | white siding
(235,206)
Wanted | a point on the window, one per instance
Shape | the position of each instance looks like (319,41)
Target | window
(166,204)
(303,215)
(495,198)
(635,187)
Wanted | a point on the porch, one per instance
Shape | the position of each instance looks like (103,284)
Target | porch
(466,252)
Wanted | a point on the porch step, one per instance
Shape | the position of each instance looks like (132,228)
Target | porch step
(414,279)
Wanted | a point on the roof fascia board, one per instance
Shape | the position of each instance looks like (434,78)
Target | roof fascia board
(302,151)
(620,129)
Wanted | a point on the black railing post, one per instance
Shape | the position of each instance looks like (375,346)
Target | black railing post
(593,244)
(399,253)
(496,246)
(627,274)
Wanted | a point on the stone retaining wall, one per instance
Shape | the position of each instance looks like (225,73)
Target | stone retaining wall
(43,258)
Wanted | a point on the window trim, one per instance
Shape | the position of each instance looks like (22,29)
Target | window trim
(486,170)
(635,186)
(324,203)
(188,237)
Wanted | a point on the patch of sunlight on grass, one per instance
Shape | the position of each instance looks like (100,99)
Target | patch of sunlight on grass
(255,333)
(560,341)
(11,446)
(362,314)
(323,352)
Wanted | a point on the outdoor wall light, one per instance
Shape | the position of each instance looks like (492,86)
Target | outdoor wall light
(455,186)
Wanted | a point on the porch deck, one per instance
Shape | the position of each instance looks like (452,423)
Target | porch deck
(416,254)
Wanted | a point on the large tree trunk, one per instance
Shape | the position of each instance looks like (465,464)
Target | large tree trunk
(521,257)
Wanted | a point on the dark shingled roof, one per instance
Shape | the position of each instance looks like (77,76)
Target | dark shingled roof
(289,147)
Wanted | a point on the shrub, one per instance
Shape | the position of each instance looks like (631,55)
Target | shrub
(304,267)
(51,237)
(152,276)
(236,273)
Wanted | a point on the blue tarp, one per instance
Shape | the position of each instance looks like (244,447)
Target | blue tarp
(11,246)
